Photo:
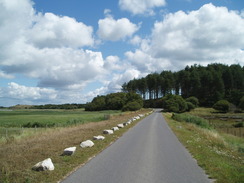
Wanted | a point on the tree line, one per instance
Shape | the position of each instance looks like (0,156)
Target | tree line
(58,106)
(208,84)
(116,101)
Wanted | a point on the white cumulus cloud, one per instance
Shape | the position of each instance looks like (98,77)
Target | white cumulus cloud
(113,63)
(46,47)
(136,40)
(118,80)
(114,30)
(51,30)
(145,63)
(208,34)
(17,91)
(141,6)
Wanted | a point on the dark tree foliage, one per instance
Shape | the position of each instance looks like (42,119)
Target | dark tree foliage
(59,106)
(193,100)
(174,103)
(131,106)
(208,84)
(222,106)
(97,104)
(116,101)
(190,106)
(241,104)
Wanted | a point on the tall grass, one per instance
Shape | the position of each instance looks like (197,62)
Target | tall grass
(191,119)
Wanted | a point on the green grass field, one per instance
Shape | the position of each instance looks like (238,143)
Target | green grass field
(50,118)
(19,155)
(23,122)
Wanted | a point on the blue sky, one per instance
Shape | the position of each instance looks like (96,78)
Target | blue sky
(69,51)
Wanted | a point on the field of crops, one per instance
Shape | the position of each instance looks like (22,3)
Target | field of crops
(15,122)
(50,118)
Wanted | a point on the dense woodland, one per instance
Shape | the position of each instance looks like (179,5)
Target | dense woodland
(209,84)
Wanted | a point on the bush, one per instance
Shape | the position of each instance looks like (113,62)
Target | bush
(174,103)
(193,100)
(134,97)
(171,106)
(222,105)
(115,101)
(191,119)
(132,106)
(190,106)
(98,103)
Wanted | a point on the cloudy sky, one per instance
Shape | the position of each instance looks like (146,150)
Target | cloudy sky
(69,51)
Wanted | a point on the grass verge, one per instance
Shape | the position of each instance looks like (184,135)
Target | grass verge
(219,154)
(17,157)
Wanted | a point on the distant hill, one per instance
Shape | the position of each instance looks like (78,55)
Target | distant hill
(18,106)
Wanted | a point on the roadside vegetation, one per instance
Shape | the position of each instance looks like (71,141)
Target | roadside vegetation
(191,119)
(228,122)
(19,155)
(219,154)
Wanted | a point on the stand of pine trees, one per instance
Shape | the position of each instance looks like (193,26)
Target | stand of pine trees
(208,84)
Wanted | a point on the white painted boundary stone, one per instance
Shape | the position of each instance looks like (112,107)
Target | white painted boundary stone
(115,128)
(127,123)
(46,164)
(108,132)
(69,151)
(99,137)
(136,118)
(87,143)
(120,125)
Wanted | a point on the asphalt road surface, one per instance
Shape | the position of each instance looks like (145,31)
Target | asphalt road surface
(147,153)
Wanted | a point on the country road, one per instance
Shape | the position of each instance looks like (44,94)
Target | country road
(147,153)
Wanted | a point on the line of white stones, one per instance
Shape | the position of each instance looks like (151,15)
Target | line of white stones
(47,164)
